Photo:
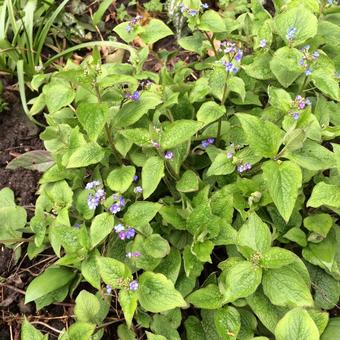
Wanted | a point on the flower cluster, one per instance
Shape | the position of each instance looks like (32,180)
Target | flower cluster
(192,12)
(124,232)
(93,200)
(133,285)
(133,254)
(133,22)
(298,105)
(118,205)
(206,143)
(243,167)
(291,33)
(233,53)
(134,96)
(308,59)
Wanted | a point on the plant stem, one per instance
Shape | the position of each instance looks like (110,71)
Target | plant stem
(211,41)
(224,98)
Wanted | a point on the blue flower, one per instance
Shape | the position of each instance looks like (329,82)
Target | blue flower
(133,285)
(135,96)
(115,208)
(211,140)
(291,33)
(108,289)
(135,178)
(308,72)
(130,233)
(239,55)
(118,228)
(169,155)
(263,43)
(138,189)
(316,55)
(92,185)
(240,168)
(247,166)
(205,5)
(192,12)
(230,155)
(296,115)
(206,143)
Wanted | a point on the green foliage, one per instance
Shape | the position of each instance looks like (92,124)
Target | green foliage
(213,182)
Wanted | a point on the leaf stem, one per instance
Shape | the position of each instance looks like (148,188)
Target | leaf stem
(211,41)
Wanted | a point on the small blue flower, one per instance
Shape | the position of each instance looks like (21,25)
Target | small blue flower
(108,289)
(230,155)
(135,178)
(135,96)
(115,208)
(291,33)
(133,285)
(240,168)
(247,166)
(192,12)
(296,115)
(128,28)
(229,66)
(122,202)
(206,143)
(169,155)
(211,140)
(130,233)
(316,55)
(263,43)
(205,5)
(138,189)
(235,69)
(308,72)
(239,55)
(303,62)
(92,185)
(93,201)
(118,228)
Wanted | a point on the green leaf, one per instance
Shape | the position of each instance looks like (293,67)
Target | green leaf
(156,246)
(211,21)
(151,336)
(128,302)
(296,324)
(296,235)
(87,307)
(285,65)
(332,330)
(132,111)
(124,33)
(92,117)
(101,226)
(192,43)
(120,179)
(277,257)
(141,213)
(325,194)
(302,19)
(208,297)
(210,112)
(50,280)
(189,182)
(155,30)
(313,156)
(39,160)
(239,281)
(152,173)
(279,98)
(157,294)
(259,69)
(263,137)
(178,132)
(58,94)
(227,322)
(87,154)
(285,287)
(138,136)
(89,270)
(254,236)
(80,330)
(326,83)
(29,332)
(194,329)
(318,223)
(283,181)
(268,314)
(112,271)
(236,84)
(221,165)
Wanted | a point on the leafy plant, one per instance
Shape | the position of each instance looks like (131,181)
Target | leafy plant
(228,161)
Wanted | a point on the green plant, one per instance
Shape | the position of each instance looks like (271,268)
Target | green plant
(213,184)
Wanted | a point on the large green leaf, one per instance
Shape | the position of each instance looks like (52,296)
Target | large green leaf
(101,226)
(128,302)
(93,116)
(188,182)
(277,257)
(210,112)
(285,65)
(254,236)
(211,21)
(263,137)
(283,181)
(121,178)
(132,111)
(221,165)
(141,213)
(208,297)
(286,287)
(50,280)
(300,18)
(297,324)
(156,246)
(87,154)
(29,332)
(87,307)
(318,223)
(178,132)
(155,30)
(152,173)
(157,294)
(325,194)
(227,322)
(332,330)
(239,281)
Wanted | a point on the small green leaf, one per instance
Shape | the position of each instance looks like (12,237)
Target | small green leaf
(296,235)
(236,84)
(87,307)
(239,281)
(208,297)
(211,21)
(138,136)
(277,257)
(285,65)
(128,302)
(193,43)
(81,330)
(29,332)
(178,132)
(332,330)
(210,112)
(113,272)
(155,30)
(259,69)
(263,137)
(120,179)
(189,182)
(283,181)
(89,270)
(326,83)
(90,153)
(318,223)
(141,213)
(325,194)
(152,173)
(93,116)
(227,322)
(101,226)
(296,324)
(158,294)
(221,165)
(156,246)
